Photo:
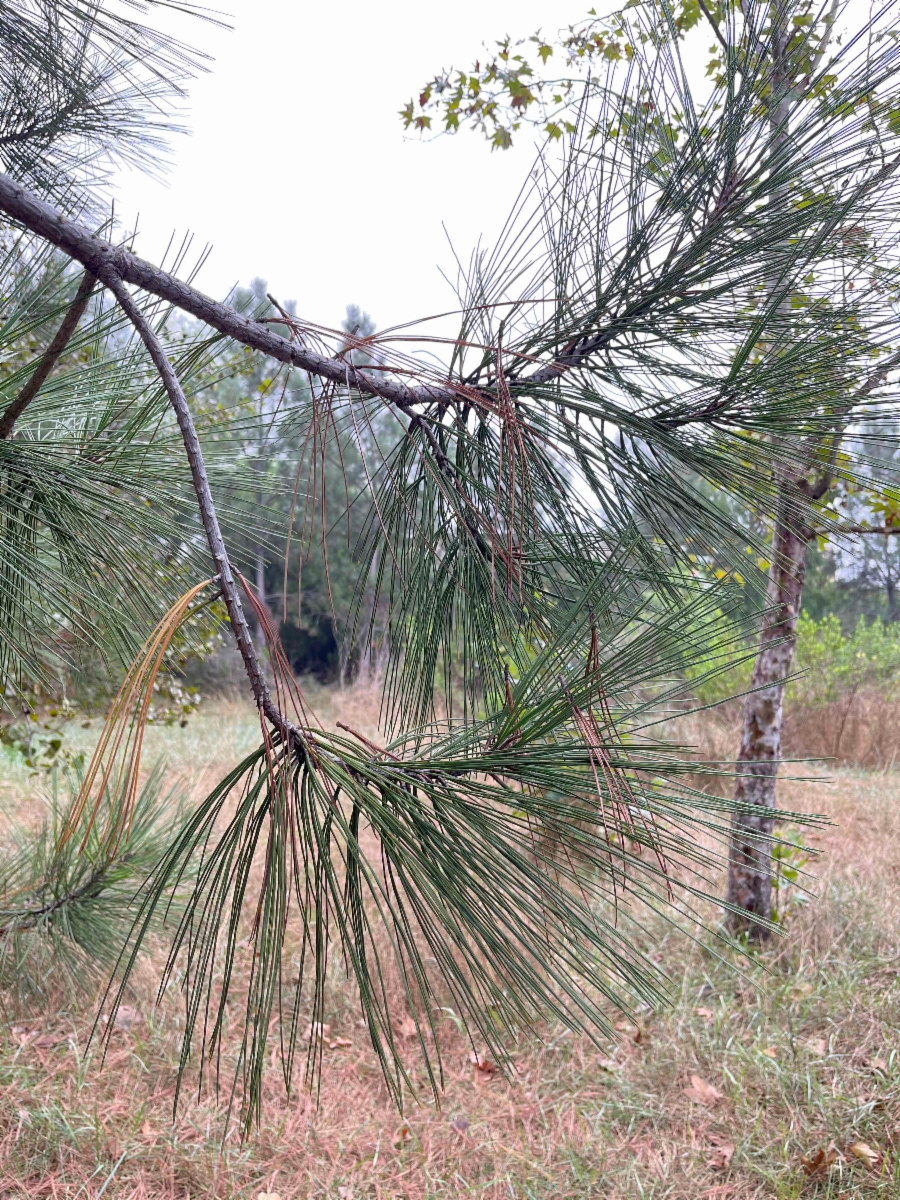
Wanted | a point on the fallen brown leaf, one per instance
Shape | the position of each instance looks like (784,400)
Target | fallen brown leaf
(702,1092)
(126,1016)
(706,1013)
(609,1064)
(484,1068)
(865,1154)
(723,1152)
(819,1161)
(46,1041)
(770,1052)
(817,1046)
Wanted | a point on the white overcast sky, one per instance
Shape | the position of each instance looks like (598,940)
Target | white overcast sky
(298,170)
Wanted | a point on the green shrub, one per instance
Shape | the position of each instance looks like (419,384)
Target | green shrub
(829,665)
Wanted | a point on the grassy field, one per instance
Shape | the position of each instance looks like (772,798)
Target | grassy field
(781,1081)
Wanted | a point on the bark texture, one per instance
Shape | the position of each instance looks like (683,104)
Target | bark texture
(750,867)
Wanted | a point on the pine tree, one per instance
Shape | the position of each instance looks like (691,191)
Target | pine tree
(798,39)
(541,531)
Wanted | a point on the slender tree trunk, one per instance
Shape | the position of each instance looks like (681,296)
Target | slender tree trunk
(890,583)
(750,867)
(750,863)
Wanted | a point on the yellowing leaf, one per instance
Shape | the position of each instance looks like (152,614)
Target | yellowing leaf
(865,1154)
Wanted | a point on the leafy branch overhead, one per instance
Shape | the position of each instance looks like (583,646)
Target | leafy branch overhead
(543,82)
(541,526)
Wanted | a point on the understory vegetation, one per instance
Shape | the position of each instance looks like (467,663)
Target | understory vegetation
(842,700)
(774,1075)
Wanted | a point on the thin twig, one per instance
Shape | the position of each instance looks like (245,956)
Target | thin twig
(30,918)
(50,357)
(714,23)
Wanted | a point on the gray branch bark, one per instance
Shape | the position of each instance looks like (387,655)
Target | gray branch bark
(208,515)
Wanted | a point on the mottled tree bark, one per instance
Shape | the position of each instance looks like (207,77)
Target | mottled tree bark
(750,866)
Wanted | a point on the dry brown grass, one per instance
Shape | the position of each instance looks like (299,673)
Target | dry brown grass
(862,729)
(802,1049)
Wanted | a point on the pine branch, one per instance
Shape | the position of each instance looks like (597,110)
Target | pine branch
(32,918)
(208,515)
(107,261)
(883,530)
(51,356)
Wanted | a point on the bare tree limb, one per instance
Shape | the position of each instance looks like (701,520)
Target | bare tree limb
(713,23)
(50,357)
